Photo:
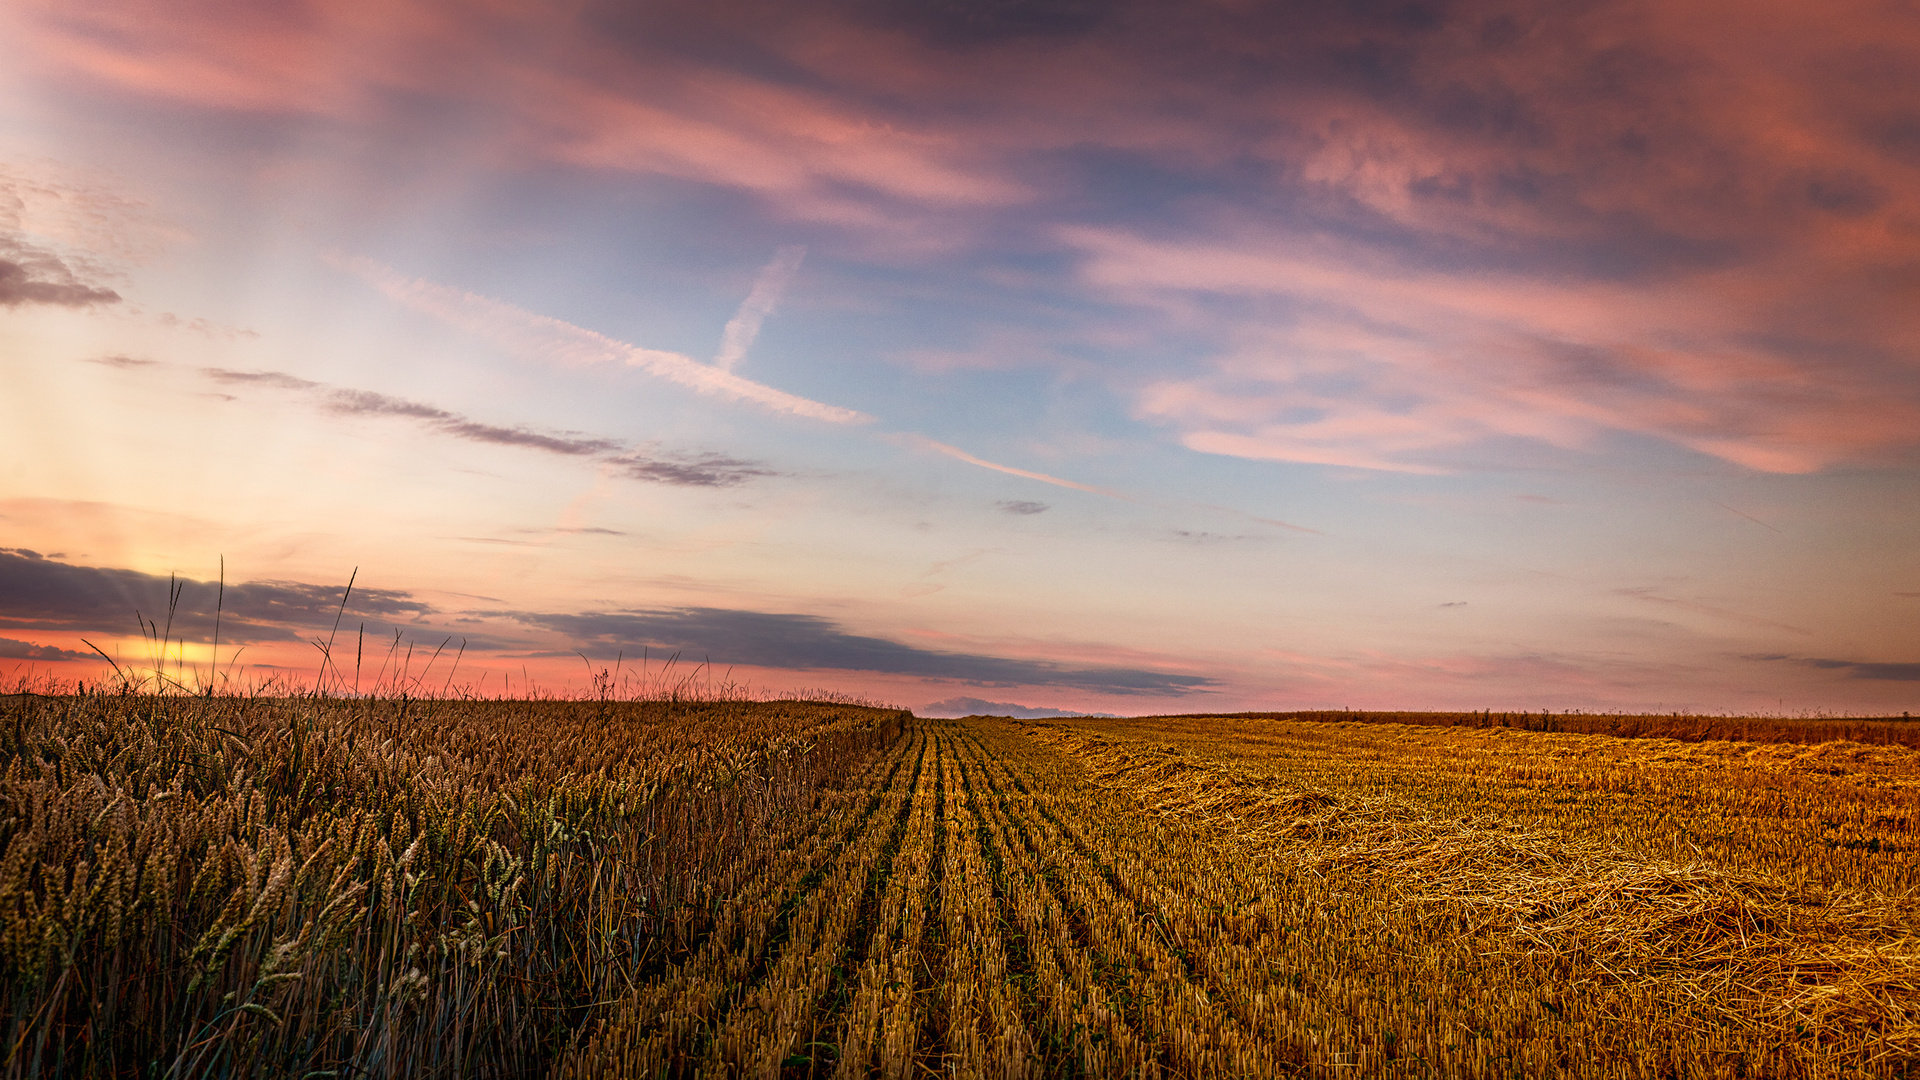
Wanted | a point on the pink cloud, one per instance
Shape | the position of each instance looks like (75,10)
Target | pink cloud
(1381,369)
(1689,114)
(566,97)
(784,143)
(1691,221)
(318,56)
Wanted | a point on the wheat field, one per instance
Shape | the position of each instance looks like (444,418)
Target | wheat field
(228,886)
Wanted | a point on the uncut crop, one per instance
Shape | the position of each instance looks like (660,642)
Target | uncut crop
(196,887)
(252,887)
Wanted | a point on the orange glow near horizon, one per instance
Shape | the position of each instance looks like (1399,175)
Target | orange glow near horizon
(1120,359)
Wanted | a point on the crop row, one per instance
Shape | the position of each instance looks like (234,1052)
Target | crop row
(251,887)
(1590,947)
(238,887)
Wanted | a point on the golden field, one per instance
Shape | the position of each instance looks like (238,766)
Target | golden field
(234,886)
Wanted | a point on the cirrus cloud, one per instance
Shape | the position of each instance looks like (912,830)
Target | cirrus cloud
(523,331)
(702,469)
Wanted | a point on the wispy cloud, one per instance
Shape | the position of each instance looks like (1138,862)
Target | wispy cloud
(522,331)
(1351,357)
(955,452)
(1275,522)
(687,470)
(278,380)
(1022,507)
(697,470)
(1203,538)
(744,327)
(368,403)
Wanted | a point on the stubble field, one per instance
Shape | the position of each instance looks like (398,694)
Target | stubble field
(226,886)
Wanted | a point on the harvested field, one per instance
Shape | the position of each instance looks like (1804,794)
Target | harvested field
(251,887)
(1683,727)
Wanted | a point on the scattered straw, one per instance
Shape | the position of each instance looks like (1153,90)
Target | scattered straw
(1791,959)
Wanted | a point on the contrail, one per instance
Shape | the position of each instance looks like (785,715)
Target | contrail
(1264,521)
(738,337)
(955,452)
(527,332)
(1742,513)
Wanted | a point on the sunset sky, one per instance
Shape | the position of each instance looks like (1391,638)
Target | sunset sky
(1074,355)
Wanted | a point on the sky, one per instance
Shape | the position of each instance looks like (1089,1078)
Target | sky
(1055,356)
